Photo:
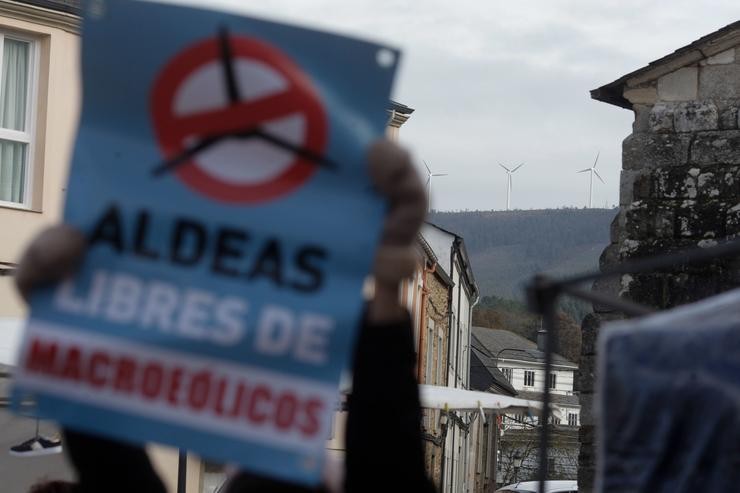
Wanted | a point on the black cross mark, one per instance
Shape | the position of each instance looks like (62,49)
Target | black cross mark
(226,63)
(232,89)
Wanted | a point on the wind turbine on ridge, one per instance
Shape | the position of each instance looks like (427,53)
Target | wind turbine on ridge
(593,172)
(509,172)
(430,175)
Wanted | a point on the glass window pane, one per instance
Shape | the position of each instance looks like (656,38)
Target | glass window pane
(429,357)
(12,171)
(14,84)
(438,367)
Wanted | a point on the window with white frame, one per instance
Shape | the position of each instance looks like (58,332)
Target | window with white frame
(572,419)
(529,378)
(508,372)
(16,117)
(553,380)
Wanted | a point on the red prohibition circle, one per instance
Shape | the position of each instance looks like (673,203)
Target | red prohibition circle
(172,131)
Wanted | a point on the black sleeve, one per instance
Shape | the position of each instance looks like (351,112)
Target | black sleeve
(384,446)
(104,465)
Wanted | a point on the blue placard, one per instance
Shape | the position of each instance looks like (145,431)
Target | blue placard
(220,175)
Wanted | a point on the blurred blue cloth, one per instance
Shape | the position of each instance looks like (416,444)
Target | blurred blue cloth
(669,400)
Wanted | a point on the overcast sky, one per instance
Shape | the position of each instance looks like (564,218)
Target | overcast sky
(508,82)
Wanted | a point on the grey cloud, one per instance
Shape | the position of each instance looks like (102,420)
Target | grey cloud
(495,80)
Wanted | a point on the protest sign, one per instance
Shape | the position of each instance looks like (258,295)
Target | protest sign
(220,175)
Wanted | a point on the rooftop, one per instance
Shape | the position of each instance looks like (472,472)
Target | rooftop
(563,400)
(468,269)
(68,6)
(484,375)
(704,47)
(400,108)
(510,346)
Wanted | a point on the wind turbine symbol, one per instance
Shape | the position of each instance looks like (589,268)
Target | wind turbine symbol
(593,172)
(509,172)
(430,175)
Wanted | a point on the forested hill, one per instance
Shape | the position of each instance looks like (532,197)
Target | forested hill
(508,247)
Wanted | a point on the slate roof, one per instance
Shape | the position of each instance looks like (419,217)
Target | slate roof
(468,269)
(400,108)
(484,375)
(496,340)
(563,400)
(691,53)
(68,6)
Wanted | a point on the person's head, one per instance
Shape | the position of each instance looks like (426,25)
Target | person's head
(45,486)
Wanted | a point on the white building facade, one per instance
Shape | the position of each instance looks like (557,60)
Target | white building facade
(523,364)
(528,379)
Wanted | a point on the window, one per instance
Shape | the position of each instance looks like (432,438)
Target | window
(550,465)
(438,366)
(553,380)
(16,104)
(429,356)
(572,419)
(428,420)
(507,373)
(529,378)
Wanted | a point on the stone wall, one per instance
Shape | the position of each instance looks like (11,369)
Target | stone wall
(436,308)
(680,188)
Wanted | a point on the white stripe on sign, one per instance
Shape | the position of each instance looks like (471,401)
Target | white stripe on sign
(199,392)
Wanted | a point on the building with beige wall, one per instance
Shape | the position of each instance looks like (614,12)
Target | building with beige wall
(39,100)
(434,339)
(39,108)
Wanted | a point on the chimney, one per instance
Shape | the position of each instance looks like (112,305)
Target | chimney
(541,335)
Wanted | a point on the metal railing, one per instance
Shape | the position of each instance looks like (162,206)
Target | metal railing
(543,293)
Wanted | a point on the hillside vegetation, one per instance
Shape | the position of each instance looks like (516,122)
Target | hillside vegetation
(513,315)
(507,248)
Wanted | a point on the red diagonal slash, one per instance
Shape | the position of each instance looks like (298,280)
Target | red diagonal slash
(234,117)
(172,131)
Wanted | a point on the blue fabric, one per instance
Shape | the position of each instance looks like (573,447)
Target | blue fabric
(670,401)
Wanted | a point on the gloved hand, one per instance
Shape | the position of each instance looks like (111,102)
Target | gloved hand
(395,178)
(53,255)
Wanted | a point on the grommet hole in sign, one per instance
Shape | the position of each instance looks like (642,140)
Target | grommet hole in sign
(385,58)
